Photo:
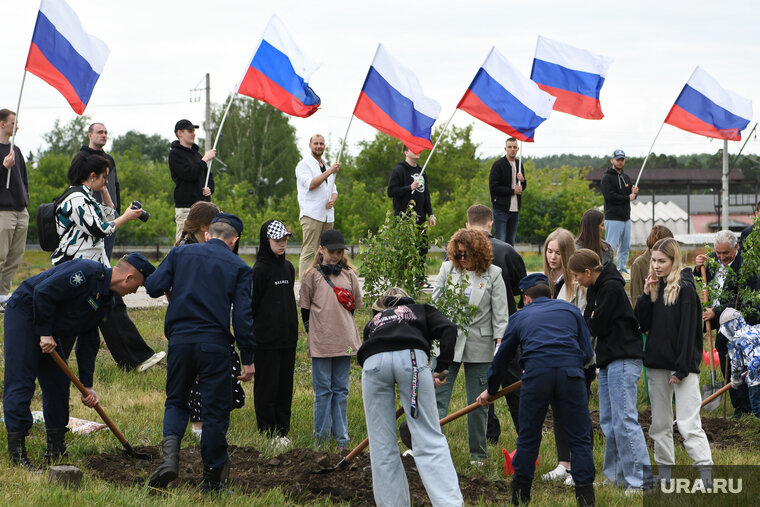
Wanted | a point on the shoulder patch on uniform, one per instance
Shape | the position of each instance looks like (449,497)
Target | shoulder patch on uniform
(77,279)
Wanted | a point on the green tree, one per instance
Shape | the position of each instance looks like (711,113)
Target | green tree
(67,139)
(154,148)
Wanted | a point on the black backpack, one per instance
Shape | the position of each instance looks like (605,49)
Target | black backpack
(47,231)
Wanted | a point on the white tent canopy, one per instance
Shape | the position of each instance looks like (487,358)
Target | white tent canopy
(666,213)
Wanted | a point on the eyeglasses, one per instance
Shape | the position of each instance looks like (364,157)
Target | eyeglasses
(460,256)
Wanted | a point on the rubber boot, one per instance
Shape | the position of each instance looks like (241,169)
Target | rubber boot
(520,492)
(56,444)
(215,479)
(585,495)
(17,450)
(168,470)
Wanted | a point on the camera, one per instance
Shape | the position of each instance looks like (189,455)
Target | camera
(144,216)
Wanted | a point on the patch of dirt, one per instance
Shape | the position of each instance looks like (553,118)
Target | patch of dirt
(722,433)
(303,473)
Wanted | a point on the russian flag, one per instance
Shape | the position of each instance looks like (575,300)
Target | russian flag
(393,102)
(575,76)
(279,73)
(707,109)
(64,55)
(505,99)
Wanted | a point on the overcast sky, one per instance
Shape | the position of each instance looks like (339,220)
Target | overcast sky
(160,50)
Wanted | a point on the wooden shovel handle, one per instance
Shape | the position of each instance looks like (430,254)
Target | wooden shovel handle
(469,408)
(719,392)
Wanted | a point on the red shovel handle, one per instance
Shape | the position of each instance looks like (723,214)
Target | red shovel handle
(708,327)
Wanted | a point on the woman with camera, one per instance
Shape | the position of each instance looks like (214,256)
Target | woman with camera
(83,224)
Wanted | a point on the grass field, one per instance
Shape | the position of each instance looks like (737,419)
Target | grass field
(135,403)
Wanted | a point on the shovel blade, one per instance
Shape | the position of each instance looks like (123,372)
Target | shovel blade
(714,404)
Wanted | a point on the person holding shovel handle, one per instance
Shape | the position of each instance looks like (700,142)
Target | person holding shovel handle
(396,351)
(669,311)
(555,345)
(44,314)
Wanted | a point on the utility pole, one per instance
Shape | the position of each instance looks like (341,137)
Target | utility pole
(207,123)
(724,197)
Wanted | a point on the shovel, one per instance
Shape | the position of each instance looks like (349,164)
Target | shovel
(57,358)
(709,390)
(717,394)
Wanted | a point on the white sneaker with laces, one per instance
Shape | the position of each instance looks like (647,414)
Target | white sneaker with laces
(557,474)
(151,361)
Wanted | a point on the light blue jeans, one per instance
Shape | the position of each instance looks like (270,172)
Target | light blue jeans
(618,234)
(329,378)
(626,460)
(382,372)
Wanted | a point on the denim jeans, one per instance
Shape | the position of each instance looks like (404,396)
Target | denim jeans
(505,225)
(754,399)
(618,234)
(329,378)
(626,459)
(382,372)
(475,376)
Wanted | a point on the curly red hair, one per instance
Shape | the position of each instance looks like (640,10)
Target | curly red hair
(478,248)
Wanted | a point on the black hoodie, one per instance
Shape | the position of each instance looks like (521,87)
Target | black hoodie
(674,332)
(275,318)
(189,175)
(613,321)
(407,325)
(616,189)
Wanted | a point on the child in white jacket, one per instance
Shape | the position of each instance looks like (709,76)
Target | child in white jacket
(744,350)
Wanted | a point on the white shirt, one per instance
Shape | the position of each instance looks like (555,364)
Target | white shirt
(513,198)
(312,202)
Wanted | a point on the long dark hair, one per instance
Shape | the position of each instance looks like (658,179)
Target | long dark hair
(590,236)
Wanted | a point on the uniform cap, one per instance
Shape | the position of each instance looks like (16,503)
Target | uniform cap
(140,263)
(228,218)
(533,279)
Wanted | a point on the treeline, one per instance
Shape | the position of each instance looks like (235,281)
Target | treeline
(255,179)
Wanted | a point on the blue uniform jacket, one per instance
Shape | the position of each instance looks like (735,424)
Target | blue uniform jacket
(551,333)
(69,300)
(205,280)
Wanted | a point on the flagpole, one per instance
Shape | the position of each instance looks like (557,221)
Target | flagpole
(218,133)
(443,132)
(15,127)
(345,136)
(648,153)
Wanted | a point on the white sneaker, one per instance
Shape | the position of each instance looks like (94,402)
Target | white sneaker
(197,431)
(280,441)
(630,491)
(476,462)
(151,361)
(557,474)
(569,481)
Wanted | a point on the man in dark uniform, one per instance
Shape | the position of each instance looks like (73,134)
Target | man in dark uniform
(206,281)
(480,217)
(44,314)
(555,345)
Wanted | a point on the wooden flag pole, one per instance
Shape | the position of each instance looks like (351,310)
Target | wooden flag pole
(218,133)
(15,128)
(647,157)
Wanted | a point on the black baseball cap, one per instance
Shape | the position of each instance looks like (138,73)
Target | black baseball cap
(332,240)
(184,125)
(228,218)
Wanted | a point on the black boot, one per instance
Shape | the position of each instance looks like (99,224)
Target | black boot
(168,470)
(215,479)
(520,492)
(585,495)
(56,444)
(17,450)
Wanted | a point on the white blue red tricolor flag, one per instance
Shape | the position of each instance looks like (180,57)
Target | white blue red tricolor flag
(707,109)
(575,76)
(505,99)
(393,102)
(279,73)
(64,55)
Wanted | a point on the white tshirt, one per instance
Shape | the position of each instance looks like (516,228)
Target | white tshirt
(312,202)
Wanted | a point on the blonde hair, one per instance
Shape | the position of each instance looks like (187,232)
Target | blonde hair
(669,247)
(566,243)
(394,292)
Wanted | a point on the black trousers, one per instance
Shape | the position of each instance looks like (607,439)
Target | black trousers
(273,389)
(739,397)
(124,341)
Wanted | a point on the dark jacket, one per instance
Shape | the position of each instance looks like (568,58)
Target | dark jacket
(550,332)
(674,333)
(400,190)
(500,183)
(729,288)
(206,280)
(114,189)
(408,325)
(616,188)
(189,175)
(512,269)
(275,317)
(15,198)
(613,322)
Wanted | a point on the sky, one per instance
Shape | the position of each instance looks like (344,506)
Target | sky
(161,50)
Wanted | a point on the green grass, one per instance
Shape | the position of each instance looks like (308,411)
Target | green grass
(135,403)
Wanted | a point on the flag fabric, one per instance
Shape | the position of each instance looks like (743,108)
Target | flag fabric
(706,108)
(505,99)
(279,73)
(393,102)
(575,76)
(64,55)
